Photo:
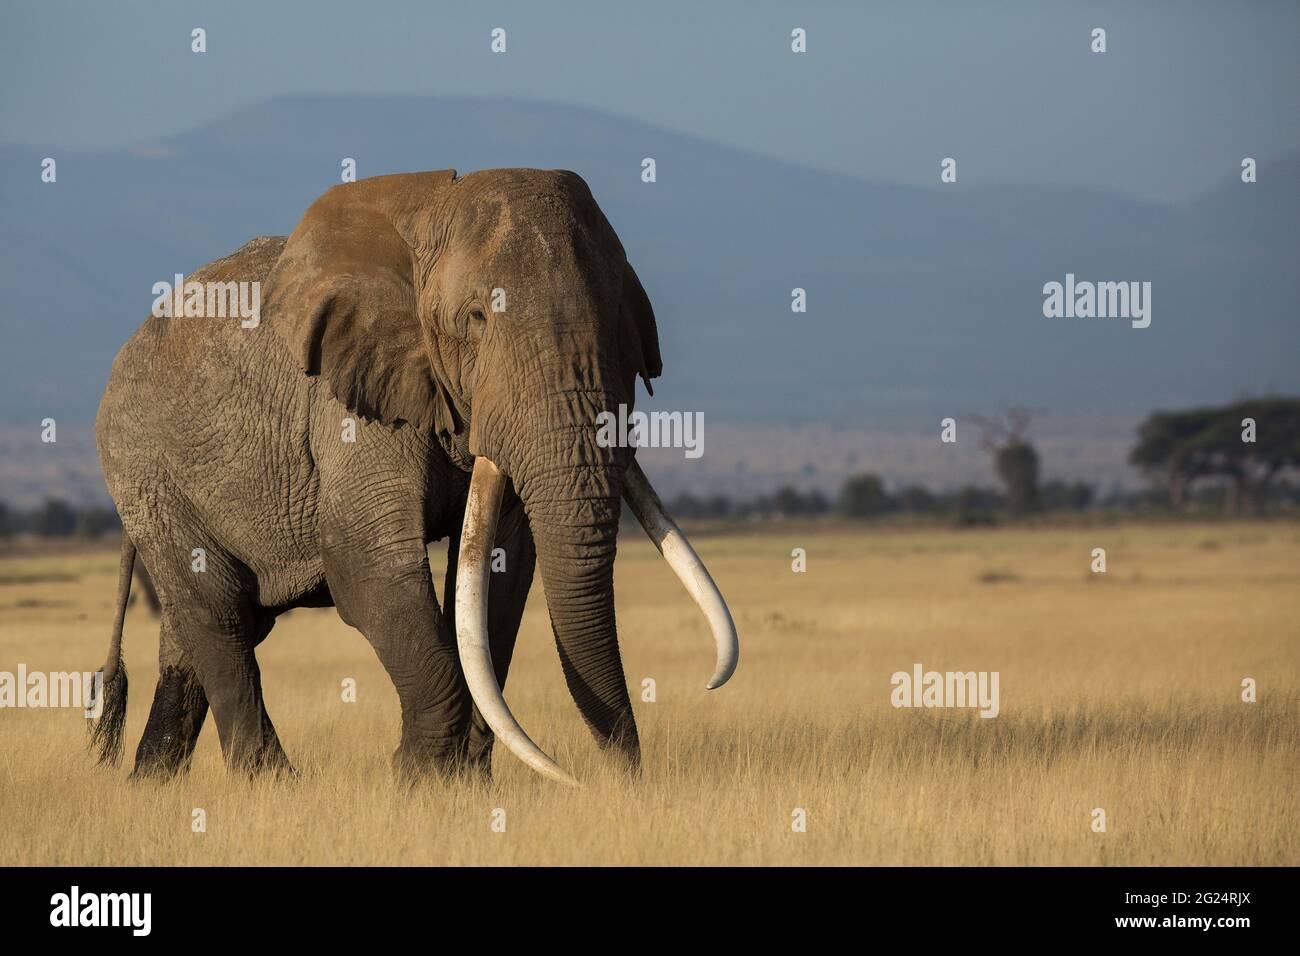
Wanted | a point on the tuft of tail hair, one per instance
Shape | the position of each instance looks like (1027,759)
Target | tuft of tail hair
(106,730)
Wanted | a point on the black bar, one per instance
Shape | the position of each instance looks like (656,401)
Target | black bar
(328,905)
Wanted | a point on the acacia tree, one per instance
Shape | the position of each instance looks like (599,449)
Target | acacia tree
(1253,466)
(1171,447)
(1248,444)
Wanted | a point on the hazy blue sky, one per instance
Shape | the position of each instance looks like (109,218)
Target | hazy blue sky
(885,91)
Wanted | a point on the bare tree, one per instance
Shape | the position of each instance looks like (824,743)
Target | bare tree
(1015,459)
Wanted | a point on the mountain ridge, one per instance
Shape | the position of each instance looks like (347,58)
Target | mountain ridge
(922,300)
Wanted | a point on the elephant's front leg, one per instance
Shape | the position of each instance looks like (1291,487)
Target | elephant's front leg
(385,591)
(513,562)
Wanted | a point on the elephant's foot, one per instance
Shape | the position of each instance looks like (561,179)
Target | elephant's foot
(478,758)
(269,761)
(258,754)
(419,758)
(160,766)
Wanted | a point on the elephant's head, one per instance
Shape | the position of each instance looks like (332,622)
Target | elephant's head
(498,311)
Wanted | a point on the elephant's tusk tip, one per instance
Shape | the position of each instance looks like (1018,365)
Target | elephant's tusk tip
(717,680)
(561,777)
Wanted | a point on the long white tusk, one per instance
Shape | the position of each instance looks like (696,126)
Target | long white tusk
(688,567)
(472,571)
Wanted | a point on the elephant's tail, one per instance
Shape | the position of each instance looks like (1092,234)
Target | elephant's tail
(106,729)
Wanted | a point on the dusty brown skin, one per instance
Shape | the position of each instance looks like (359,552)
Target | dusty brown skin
(378,308)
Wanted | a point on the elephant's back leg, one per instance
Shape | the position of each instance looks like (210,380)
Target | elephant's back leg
(179,709)
(220,644)
(212,624)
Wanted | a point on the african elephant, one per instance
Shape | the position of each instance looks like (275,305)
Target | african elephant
(431,357)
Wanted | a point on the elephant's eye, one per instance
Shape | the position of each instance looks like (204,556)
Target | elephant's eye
(477,322)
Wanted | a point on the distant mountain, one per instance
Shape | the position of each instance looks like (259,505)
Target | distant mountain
(921,301)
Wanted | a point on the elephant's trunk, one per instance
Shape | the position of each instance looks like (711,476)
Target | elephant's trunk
(572,494)
(575,553)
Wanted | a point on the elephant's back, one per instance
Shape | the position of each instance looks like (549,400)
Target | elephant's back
(208,412)
(254,258)
(200,343)
(173,362)
(178,342)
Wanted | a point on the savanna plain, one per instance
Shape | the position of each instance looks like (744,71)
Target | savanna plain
(1120,691)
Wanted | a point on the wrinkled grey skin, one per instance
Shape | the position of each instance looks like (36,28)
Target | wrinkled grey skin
(378,309)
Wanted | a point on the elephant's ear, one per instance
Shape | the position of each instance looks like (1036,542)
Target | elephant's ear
(342,297)
(641,335)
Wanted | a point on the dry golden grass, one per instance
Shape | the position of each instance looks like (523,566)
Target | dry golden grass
(1118,691)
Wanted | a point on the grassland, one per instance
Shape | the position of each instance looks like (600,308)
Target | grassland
(1119,691)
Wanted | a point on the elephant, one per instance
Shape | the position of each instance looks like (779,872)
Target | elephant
(430,358)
